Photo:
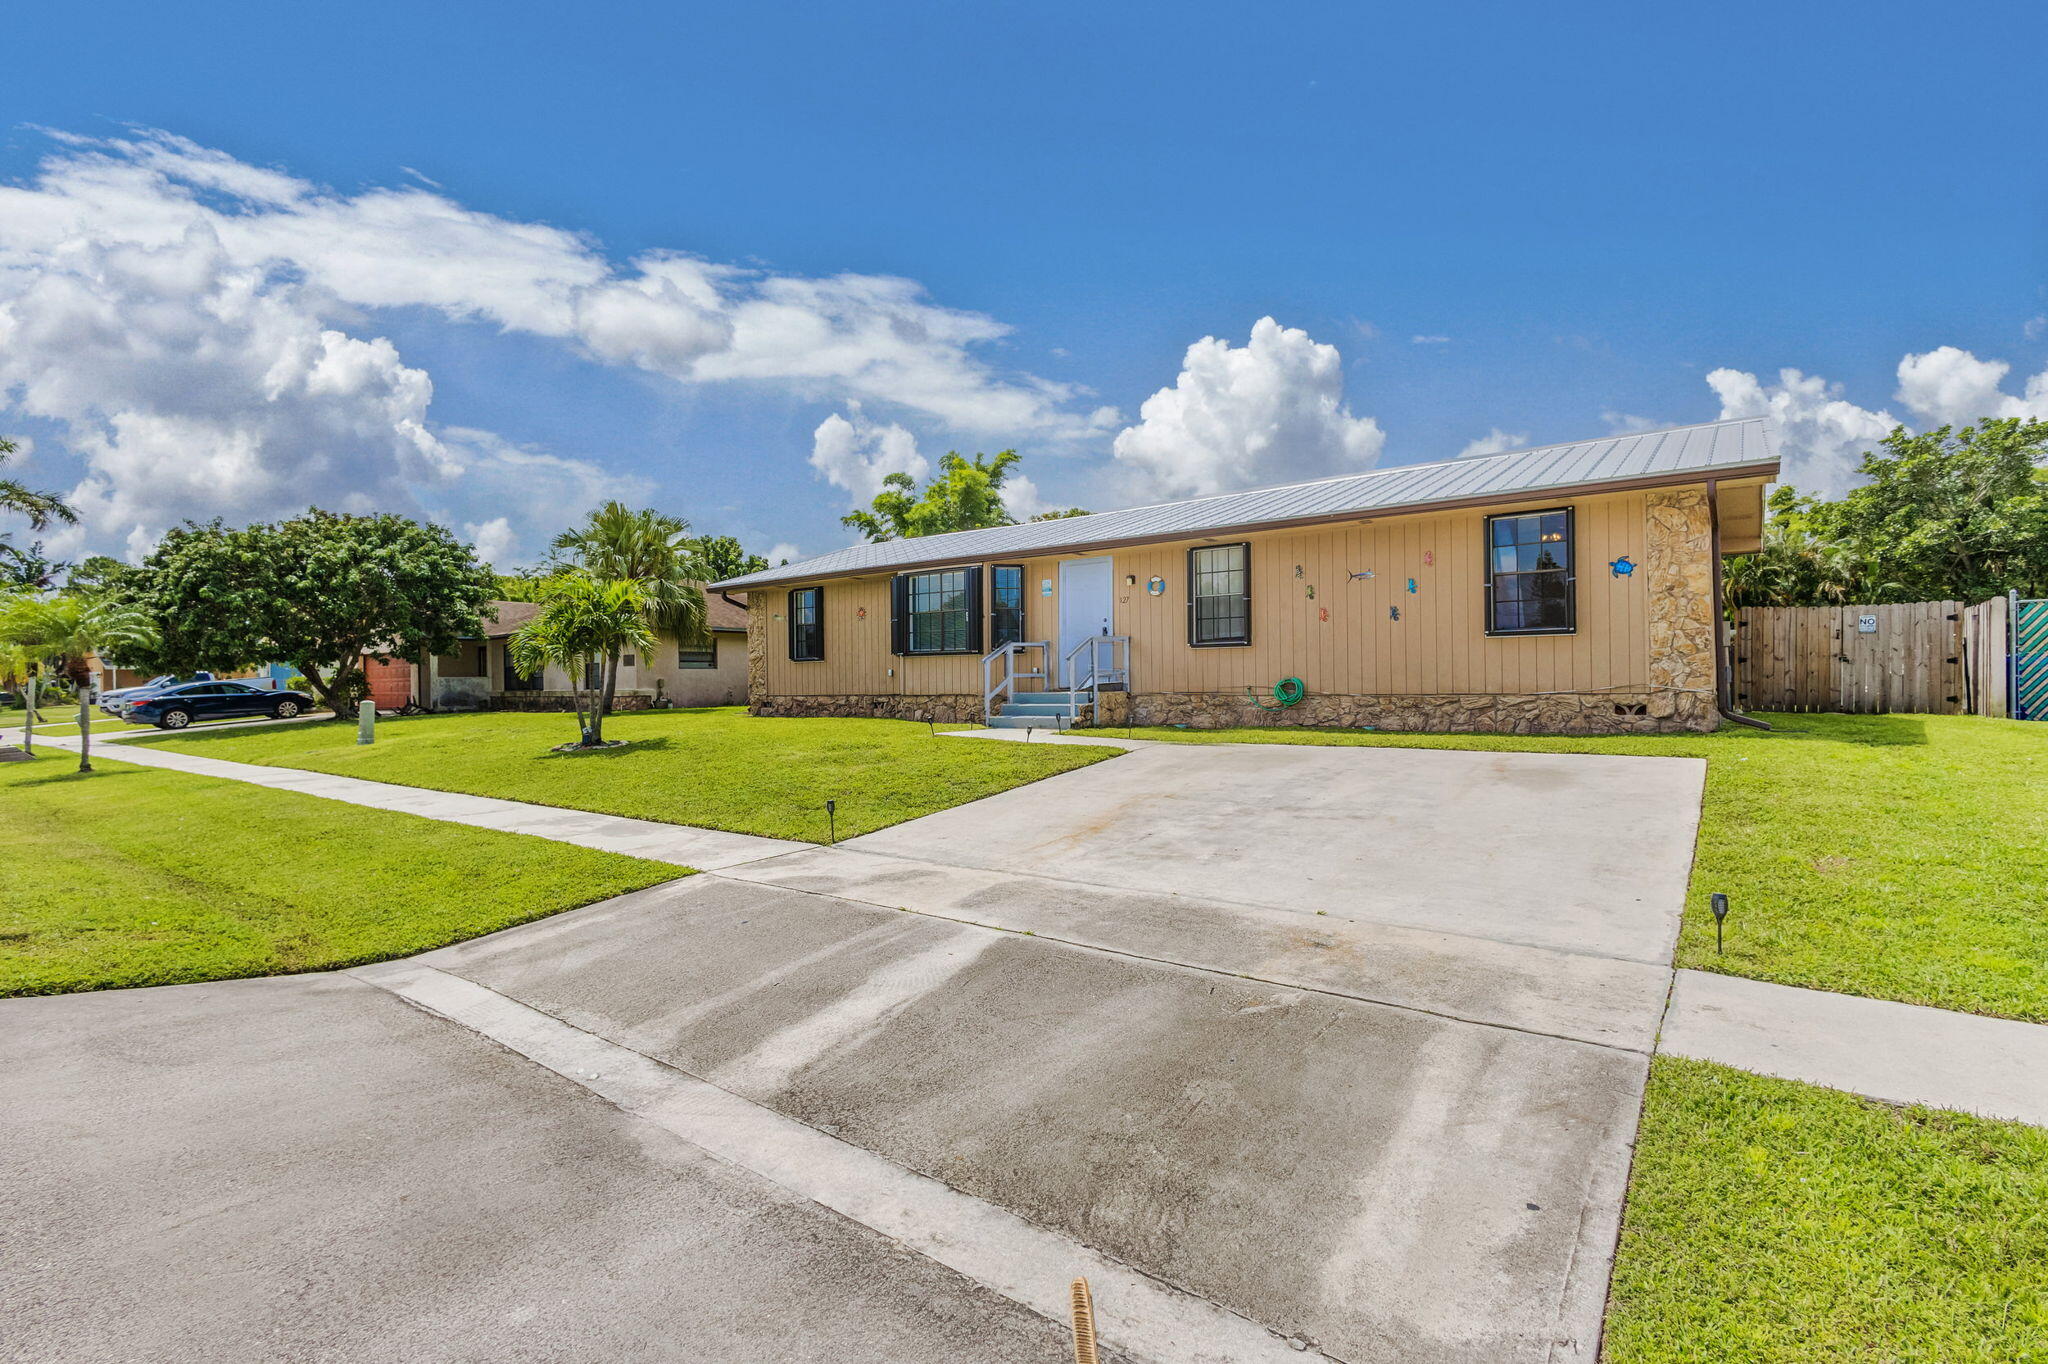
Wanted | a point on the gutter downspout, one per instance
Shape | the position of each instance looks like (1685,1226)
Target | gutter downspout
(1724,678)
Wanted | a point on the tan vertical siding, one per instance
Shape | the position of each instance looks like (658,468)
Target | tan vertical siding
(1438,646)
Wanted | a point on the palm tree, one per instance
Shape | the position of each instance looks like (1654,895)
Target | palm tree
(649,548)
(42,509)
(44,631)
(583,619)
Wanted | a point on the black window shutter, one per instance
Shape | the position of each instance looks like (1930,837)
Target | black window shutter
(977,610)
(794,596)
(817,640)
(899,614)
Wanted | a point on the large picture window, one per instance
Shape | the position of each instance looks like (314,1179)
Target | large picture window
(1220,595)
(807,624)
(939,612)
(1530,589)
(1006,606)
(516,680)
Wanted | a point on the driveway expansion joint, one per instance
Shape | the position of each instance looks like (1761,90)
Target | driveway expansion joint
(1137,1313)
(1197,968)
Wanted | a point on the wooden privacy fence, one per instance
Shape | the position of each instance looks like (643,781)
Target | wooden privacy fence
(1987,675)
(1857,659)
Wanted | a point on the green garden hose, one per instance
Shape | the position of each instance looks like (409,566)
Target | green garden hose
(1288,691)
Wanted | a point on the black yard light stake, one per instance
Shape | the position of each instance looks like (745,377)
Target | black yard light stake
(832,821)
(1720,904)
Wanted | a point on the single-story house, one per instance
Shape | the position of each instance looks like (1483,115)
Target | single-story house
(109,676)
(1570,588)
(478,673)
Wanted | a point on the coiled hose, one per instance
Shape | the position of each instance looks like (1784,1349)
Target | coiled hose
(1288,691)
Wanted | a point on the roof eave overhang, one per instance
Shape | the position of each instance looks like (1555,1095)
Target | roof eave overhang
(1767,469)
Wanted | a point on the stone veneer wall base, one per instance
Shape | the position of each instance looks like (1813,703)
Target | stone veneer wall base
(1620,712)
(944,708)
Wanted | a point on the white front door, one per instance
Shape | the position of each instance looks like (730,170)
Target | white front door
(1087,598)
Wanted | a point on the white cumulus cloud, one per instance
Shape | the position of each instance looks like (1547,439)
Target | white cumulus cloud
(857,454)
(1270,411)
(495,541)
(1949,386)
(204,335)
(1821,434)
(1494,442)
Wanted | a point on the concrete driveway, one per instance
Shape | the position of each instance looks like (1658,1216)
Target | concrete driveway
(1291,1051)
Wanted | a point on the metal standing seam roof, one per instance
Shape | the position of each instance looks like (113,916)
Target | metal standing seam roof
(1748,443)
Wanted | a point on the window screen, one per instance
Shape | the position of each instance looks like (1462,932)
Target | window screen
(939,611)
(1220,594)
(1006,606)
(807,624)
(1529,583)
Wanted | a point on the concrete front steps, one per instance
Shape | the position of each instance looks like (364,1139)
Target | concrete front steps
(1036,710)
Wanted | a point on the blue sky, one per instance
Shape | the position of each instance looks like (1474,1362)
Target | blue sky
(1514,223)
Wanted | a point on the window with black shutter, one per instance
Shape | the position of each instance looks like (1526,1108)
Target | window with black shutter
(1530,589)
(807,625)
(938,612)
(1219,595)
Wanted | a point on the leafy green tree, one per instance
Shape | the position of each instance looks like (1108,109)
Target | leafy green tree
(57,633)
(584,619)
(520,586)
(318,591)
(617,544)
(99,575)
(719,557)
(1798,564)
(1062,514)
(1950,513)
(963,495)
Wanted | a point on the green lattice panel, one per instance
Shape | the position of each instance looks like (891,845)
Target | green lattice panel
(2030,661)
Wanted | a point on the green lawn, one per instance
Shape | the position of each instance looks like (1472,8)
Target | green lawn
(64,724)
(719,768)
(133,876)
(1896,856)
(1770,1222)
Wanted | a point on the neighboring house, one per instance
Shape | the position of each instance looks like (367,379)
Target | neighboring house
(110,677)
(1572,588)
(478,673)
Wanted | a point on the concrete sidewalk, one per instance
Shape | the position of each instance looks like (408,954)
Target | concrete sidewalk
(682,844)
(1902,1053)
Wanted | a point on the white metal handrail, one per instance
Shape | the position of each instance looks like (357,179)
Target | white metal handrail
(1096,676)
(1008,655)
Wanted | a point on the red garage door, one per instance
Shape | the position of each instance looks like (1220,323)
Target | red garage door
(390,683)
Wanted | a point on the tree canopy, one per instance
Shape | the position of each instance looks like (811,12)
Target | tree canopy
(652,550)
(584,620)
(317,591)
(1949,514)
(963,495)
(718,557)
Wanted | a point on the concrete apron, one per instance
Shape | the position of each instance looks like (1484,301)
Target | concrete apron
(1375,1182)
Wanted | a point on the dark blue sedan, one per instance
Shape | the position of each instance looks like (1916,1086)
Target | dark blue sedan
(180,706)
